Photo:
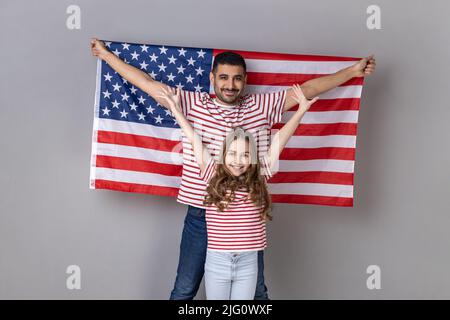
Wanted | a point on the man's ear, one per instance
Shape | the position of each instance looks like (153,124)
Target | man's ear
(211,77)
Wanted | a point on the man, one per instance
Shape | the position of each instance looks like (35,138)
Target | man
(255,113)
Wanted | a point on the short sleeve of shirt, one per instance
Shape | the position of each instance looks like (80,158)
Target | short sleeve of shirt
(192,98)
(210,170)
(188,99)
(271,105)
(265,167)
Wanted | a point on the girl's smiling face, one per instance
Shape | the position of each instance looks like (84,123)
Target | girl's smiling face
(237,157)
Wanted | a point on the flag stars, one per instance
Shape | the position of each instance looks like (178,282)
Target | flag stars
(144,65)
(162,67)
(125,96)
(123,114)
(191,61)
(108,77)
(133,106)
(106,94)
(153,57)
(141,116)
(181,69)
(171,77)
(141,99)
(201,53)
(172,59)
(115,104)
(158,119)
(150,109)
(189,79)
(163,50)
(199,71)
(135,56)
(106,111)
(116,87)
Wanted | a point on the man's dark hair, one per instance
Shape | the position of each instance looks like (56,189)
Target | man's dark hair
(231,58)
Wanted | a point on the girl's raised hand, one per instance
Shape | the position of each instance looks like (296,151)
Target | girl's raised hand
(303,102)
(171,97)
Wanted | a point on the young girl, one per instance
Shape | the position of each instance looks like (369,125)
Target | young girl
(238,202)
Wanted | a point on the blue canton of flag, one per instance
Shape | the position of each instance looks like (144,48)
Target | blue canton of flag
(185,68)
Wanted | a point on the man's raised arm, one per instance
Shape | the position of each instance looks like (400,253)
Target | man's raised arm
(314,87)
(135,76)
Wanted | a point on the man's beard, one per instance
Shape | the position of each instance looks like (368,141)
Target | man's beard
(229,100)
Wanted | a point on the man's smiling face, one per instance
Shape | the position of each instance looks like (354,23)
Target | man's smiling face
(229,83)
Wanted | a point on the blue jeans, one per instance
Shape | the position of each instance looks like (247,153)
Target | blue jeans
(231,275)
(191,264)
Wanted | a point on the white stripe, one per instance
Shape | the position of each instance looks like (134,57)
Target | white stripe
(138,177)
(173,134)
(346,166)
(319,117)
(230,232)
(312,189)
(189,196)
(336,93)
(231,222)
(114,150)
(235,249)
(305,67)
(321,141)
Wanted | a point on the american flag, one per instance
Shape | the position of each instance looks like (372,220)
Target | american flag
(136,144)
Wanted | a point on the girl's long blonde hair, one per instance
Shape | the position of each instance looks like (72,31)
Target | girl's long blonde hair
(223,185)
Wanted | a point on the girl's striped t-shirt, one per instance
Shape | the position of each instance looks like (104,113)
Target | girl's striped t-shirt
(240,226)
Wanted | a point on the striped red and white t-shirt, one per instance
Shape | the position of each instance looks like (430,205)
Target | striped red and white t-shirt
(255,113)
(240,226)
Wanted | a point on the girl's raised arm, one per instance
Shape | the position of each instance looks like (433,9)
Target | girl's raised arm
(280,139)
(171,97)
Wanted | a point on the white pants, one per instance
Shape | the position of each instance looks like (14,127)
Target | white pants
(231,275)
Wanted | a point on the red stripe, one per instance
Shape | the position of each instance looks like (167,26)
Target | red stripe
(288,79)
(240,231)
(138,165)
(220,236)
(134,140)
(238,246)
(313,177)
(284,56)
(317,153)
(342,128)
(343,104)
(137,188)
(318,200)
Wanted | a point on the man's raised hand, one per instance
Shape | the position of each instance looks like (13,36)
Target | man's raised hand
(98,48)
(364,67)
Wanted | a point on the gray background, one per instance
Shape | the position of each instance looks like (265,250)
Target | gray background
(127,244)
